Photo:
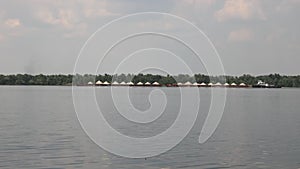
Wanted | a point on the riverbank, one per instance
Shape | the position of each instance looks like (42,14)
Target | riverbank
(164,80)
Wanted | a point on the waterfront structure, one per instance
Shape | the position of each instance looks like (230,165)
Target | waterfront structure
(115,83)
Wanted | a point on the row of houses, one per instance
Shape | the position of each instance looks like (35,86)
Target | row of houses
(115,83)
(186,84)
(218,84)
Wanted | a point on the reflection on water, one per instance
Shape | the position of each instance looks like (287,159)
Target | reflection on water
(260,129)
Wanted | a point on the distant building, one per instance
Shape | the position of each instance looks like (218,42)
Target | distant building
(130,83)
(242,84)
(123,83)
(187,83)
(106,83)
(115,83)
(195,84)
(98,82)
(202,84)
(218,84)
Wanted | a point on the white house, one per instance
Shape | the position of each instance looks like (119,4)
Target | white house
(115,83)
(123,83)
(106,83)
(242,84)
(187,83)
(218,84)
(130,83)
(195,84)
(98,82)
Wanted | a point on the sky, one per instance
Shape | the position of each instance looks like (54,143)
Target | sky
(251,36)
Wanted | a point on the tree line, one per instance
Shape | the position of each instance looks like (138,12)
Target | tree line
(26,79)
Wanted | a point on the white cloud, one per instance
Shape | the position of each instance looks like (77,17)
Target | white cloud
(194,10)
(10,27)
(240,35)
(94,8)
(240,9)
(185,7)
(71,16)
(66,13)
(199,3)
(12,23)
(65,18)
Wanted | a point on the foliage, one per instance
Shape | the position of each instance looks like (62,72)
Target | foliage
(26,79)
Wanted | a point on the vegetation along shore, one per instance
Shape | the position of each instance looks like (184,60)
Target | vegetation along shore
(148,79)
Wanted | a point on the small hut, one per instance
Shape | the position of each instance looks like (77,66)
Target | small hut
(90,83)
(179,84)
(130,83)
(202,84)
(147,83)
(233,84)
(187,83)
(115,83)
(123,83)
(140,84)
(218,84)
(155,84)
(98,83)
(106,83)
(242,85)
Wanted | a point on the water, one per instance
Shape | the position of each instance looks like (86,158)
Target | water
(260,128)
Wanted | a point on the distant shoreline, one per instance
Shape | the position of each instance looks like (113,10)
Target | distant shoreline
(274,80)
(70,86)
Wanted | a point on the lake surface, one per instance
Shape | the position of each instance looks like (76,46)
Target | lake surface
(260,128)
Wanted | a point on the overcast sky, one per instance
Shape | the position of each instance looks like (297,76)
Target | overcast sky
(251,36)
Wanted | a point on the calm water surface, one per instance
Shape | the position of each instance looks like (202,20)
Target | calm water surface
(260,128)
